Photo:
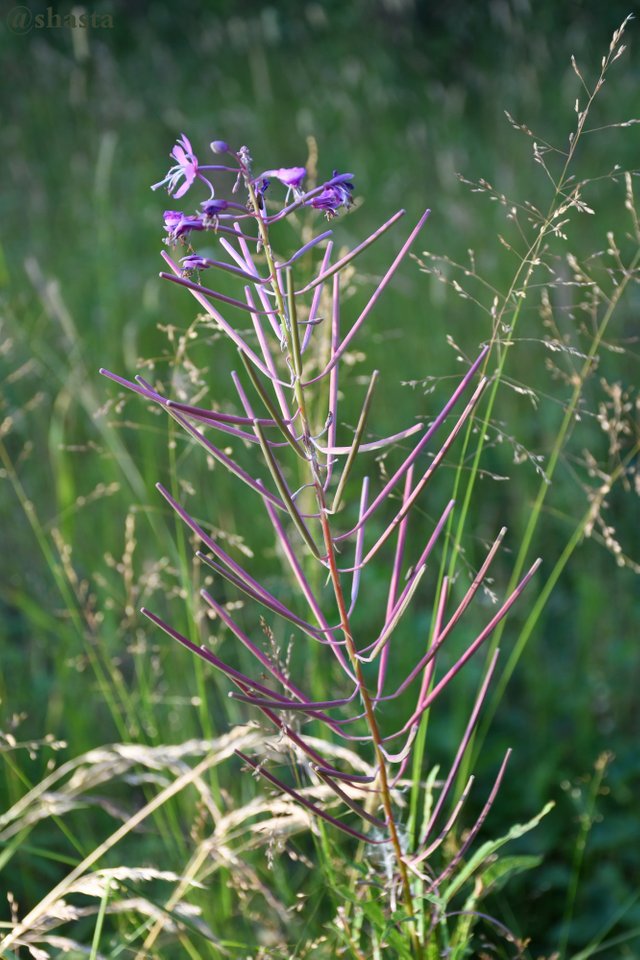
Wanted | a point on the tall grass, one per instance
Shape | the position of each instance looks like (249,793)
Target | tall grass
(78,561)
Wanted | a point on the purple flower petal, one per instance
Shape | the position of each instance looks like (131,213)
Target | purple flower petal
(289,176)
(177,224)
(185,170)
(334,195)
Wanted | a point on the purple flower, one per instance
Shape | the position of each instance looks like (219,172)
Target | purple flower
(186,169)
(177,224)
(211,208)
(219,146)
(194,262)
(292,177)
(334,195)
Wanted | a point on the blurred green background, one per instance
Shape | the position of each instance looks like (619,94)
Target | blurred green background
(405,95)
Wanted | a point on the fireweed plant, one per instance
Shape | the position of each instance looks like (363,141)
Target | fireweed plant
(419,867)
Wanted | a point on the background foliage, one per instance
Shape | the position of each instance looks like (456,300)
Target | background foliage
(405,96)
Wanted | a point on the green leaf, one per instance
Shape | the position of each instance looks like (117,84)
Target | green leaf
(271,407)
(496,874)
(274,469)
(357,440)
(489,848)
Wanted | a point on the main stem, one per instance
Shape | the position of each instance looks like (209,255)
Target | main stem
(370,715)
(372,722)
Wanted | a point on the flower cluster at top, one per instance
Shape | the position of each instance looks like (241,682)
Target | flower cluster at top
(328,197)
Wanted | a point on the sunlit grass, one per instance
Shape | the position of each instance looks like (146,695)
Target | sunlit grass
(80,291)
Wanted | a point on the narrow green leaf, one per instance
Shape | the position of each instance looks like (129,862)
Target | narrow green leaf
(496,874)
(271,407)
(283,490)
(357,440)
(97,934)
(489,848)
(385,636)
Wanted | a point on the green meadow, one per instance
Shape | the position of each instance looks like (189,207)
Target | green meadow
(477,112)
